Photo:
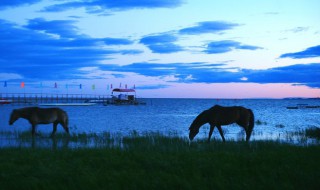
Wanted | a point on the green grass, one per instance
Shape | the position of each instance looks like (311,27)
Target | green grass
(155,161)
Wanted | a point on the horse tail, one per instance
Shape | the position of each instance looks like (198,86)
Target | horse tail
(251,124)
(67,118)
(64,119)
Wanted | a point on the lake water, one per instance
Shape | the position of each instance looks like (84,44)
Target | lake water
(174,116)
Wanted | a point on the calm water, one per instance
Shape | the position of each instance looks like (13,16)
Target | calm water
(173,116)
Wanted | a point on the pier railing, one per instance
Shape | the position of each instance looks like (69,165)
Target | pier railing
(39,98)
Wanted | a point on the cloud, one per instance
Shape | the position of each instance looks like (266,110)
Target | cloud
(117,41)
(208,27)
(162,43)
(199,72)
(298,29)
(166,42)
(306,74)
(307,53)
(226,46)
(26,52)
(63,28)
(152,87)
(100,6)
(4,4)
(182,72)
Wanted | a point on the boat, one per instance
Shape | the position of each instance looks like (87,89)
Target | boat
(96,101)
(5,101)
(303,106)
(67,104)
(120,96)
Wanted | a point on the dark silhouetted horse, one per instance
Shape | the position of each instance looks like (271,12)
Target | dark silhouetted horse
(36,115)
(218,116)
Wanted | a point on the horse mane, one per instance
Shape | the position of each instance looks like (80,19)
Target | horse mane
(215,107)
(201,118)
(27,109)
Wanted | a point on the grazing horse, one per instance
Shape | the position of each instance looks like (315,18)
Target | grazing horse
(218,115)
(36,115)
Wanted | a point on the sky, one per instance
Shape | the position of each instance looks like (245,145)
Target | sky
(162,48)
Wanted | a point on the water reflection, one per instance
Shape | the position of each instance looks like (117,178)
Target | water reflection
(108,140)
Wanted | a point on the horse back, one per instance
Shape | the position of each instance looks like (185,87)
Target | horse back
(224,115)
(50,115)
(228,115)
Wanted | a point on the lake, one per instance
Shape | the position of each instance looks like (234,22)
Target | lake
(174,116)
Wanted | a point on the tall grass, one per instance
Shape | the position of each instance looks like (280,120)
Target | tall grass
(313,132)
(154,161)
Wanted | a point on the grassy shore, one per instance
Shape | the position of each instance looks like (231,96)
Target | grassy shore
(155,161)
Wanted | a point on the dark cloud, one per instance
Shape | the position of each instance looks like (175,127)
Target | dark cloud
(162,43)
(117,41)
(100,6)
(308,53)
(226,46)
(63,28)
(208,27)
(300,74)
(183,72)
(306,74)
(37,54)
(4,4)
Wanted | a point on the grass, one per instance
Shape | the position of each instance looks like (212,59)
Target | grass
(155,161)
(313,132)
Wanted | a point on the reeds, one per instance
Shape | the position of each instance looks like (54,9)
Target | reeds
(156,161)
(313,132)
(145,140)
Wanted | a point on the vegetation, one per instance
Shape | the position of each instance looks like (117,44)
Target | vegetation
(313,132)
(258,122)
(155,161)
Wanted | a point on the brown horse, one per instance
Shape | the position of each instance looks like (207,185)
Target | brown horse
(36,115)
(218,116)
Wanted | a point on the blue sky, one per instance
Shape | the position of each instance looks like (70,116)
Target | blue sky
(166,48)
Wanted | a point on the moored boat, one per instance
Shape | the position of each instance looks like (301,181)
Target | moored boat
(120,96)
(302,106)
(5,101)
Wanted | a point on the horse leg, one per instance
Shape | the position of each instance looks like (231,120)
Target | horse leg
(54,129)
(248,133)
(210,132)
(65,127)
(221,133)
(33,132)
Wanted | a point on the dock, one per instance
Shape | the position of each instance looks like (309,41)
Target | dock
(51,99)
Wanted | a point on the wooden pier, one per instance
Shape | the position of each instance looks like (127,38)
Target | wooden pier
(42,98)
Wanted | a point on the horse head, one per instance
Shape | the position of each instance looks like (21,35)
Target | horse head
(13,117)
(200,120)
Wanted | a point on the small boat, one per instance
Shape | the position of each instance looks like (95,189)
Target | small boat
(96,101)
(5,101)
(302,106)
(312,106)
(120,96)
(292,107)
(67,104)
